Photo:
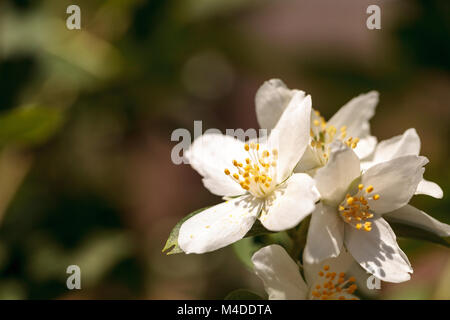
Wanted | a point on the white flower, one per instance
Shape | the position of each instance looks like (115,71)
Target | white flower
(350,124)
(260,178)
(406,144)
(351,211)
(282,279)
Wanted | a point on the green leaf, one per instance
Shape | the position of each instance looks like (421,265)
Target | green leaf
(29,125)
(243,294)
(245,248)
(409,231)
(257,230)
(171,246)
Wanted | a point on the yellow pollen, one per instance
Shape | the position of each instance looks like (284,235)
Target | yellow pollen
(331,287)
(323,134)
(258,171)
(355,209)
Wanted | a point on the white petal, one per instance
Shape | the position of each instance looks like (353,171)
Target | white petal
(403,145)
(291,134)
(218,226)
(308,162)
(271,100)
(210,155)
(365,147)
(325,235)
(412,216)
(355,115)
(342,263)
(430,189)
(377,251)
(290,203)
(279,273)
(395,181)
(342,168)
(368,287)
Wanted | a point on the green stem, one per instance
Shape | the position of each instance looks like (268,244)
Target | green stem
(298,236)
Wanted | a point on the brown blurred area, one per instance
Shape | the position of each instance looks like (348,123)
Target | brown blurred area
(102,191)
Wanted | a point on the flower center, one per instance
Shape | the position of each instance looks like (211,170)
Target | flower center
(333,286)
(354,209)
(258,172)
(323,134)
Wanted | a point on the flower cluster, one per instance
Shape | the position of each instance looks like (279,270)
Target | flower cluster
(334,172)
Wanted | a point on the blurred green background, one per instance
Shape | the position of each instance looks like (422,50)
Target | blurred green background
(86,117)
